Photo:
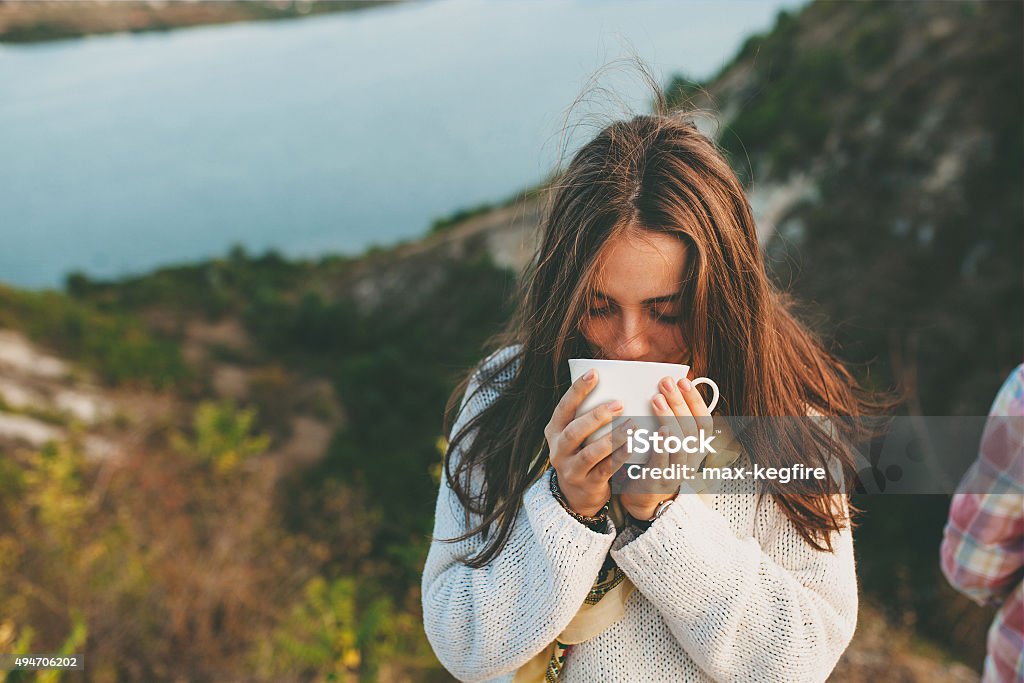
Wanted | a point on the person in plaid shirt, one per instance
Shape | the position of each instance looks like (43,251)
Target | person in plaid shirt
(983,541)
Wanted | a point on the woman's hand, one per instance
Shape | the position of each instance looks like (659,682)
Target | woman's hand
(583,473)
(681,411)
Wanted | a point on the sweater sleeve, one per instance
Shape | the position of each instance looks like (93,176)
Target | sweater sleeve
(765,608)
(489,621)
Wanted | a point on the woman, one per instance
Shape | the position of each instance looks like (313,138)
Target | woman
(649,253)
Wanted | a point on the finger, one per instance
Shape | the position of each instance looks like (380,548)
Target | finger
(670,390)
(565,411)
(609,446)
(670,427)
(698,408)
(663,413)
(661,461)
(606,469)
(577,431)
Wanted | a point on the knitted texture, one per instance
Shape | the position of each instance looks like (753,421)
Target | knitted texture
(729,592)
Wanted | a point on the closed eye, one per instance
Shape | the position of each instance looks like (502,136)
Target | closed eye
(664,318)
(667,319)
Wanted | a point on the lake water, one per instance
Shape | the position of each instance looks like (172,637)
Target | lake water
(325,134)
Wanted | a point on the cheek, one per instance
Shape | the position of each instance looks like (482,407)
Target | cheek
(595,331)
(602,333)
(671,337)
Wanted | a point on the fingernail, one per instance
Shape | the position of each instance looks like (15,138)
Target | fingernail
(667,383)
(615,406)
(686,384)
(659,402)
(588,375)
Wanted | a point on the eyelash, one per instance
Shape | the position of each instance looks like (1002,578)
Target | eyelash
(665,319)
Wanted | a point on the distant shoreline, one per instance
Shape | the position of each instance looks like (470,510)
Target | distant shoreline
(28,21)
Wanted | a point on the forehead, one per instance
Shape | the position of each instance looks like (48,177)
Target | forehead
(634,267)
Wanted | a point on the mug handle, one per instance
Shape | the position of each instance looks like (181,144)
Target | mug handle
(705,380)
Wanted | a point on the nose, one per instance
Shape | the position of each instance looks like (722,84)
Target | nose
(631,339)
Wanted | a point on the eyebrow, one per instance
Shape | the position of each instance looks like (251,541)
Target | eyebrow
(653,300)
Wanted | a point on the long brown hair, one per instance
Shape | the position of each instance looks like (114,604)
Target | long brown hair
(657,173)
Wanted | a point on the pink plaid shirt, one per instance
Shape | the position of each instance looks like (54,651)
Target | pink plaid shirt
(983,541)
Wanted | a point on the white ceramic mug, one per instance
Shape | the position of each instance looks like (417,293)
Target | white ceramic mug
(633,383)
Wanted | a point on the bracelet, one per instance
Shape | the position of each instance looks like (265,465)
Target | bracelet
(599,519)
(660,510)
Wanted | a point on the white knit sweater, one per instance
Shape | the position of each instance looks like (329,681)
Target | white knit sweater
(723,593)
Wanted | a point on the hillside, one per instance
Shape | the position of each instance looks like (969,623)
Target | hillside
(47,400)
(238,459)
(906,119)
